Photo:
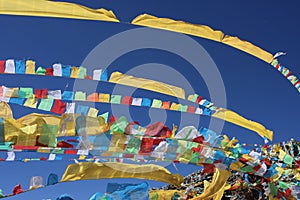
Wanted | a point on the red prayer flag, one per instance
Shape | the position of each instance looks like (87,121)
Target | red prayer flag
(191,109)
(49,72)
(41,93)
(198,99)
(200,139)
(127,155)
(88,77)
(208,168)
(127,100)
(146,146)
(26,147)
(17,189)
(70,151)
(166,105)
(59,107)
(93,97)
(64,144)
(2,66)
(112,119)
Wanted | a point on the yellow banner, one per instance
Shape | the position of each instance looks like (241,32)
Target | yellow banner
(248,48)
(178,26)
(147,84)
(44,8)
(90,171)
(234,118)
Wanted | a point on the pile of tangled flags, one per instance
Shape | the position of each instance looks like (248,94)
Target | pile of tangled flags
(250,172)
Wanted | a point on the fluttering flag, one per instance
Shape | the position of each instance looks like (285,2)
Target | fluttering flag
(88,171)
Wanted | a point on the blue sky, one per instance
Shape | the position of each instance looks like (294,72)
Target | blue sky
(253,88)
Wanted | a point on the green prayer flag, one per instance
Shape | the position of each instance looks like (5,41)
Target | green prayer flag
(273,189)
(247,169)
(46,104)
(154,196)
(284,185)
(195,97)
(156,103)
(183,108)
(58,151)
(116,99)
(25,92)
(48,135)
(80,96)
(192,145)
(195,158)
(82,72)
(40,71)
(119,125)
(133,145)
(288,159)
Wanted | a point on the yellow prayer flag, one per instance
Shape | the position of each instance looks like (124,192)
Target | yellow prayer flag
(281,154)
(75,72)
(175,106)
(31,102)
(30,67)
(93,112)
(29,129)
(105,98)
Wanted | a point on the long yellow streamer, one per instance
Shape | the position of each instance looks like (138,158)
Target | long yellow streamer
(178,26)
(214,191)
(44,8)
(234,118)
(147,84)
(89,171)
(201,31)
(247,47)
(216,188)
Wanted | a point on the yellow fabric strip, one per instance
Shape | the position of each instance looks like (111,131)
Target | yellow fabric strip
(5,110)
(44,8)
(234,118)
(90,171)
(216,188)
(203,32)
(248,48)
(147,84)
(164,194)
(178,26)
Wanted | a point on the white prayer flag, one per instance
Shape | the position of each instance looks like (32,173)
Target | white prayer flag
(10,156)
(10,66)
(54,94)
(70,108)
(137,101)
(199,111)
(52,156)
(97,74)
(57,70)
